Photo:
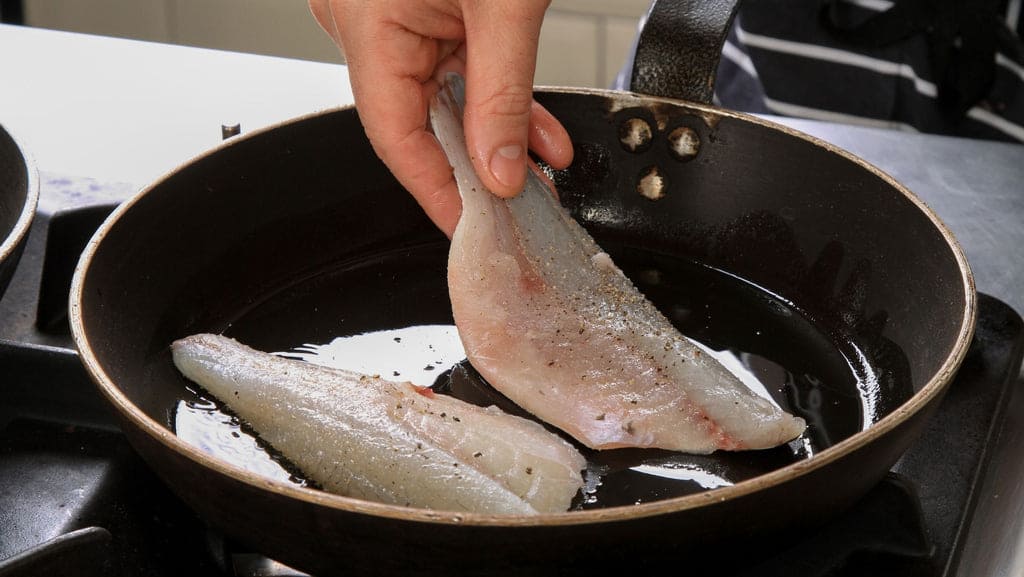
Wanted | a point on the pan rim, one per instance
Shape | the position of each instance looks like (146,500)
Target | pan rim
(933,388)
(28,210)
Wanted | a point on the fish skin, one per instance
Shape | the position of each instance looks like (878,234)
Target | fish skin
(549,321)
(386,441)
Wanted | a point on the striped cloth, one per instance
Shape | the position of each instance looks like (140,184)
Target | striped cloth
(782,58)
(810,59)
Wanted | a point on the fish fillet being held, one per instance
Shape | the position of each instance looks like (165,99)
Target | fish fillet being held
(549,320)
(365,437)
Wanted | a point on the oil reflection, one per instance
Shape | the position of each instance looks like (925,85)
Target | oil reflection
(202,424)
(685,472)
(418,354)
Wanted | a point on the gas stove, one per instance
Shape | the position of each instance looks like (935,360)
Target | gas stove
(76,500)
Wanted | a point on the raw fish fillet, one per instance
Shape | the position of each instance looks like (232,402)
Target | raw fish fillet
(552,323)
(365,437)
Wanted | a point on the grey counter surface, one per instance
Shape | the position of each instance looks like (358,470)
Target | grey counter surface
(975,187)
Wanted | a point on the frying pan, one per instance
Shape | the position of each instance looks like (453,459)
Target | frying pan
(19,194)
(298,234)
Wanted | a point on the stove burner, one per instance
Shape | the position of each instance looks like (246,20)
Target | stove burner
(76,500)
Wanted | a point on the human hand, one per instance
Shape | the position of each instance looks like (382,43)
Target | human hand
(398,52)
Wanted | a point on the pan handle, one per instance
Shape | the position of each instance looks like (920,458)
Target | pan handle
(679,46)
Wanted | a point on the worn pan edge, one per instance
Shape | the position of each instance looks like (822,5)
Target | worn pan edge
(927,394)
(28,210)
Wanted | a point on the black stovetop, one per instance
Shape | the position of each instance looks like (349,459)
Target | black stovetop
(76,500)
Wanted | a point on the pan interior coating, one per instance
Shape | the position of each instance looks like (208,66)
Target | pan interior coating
(768,341)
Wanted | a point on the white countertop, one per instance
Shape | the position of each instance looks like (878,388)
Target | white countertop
(128,111)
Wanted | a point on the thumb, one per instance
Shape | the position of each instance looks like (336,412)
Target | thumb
(501,55)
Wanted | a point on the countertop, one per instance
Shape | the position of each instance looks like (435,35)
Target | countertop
(125,112)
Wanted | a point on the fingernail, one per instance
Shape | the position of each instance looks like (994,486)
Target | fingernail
(508,165)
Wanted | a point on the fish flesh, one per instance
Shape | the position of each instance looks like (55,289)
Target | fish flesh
(365,437)
(552,323)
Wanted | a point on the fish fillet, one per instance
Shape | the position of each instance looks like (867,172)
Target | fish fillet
(552,323)
(365,437)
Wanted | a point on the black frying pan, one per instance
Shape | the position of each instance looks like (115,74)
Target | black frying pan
(807,263)
(19,193)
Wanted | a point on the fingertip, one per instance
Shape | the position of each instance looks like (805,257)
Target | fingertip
(497,134)
(549,139)
(508,167)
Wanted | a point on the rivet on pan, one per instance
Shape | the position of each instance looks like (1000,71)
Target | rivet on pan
(652,184)
(635,134)
(229,130)
(684,143)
